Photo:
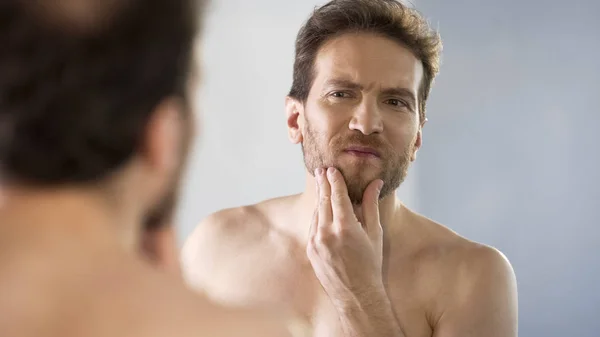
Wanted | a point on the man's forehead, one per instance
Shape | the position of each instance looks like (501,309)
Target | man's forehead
(368,59)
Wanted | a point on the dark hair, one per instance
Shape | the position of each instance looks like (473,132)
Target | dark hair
(74,103)
(387,18)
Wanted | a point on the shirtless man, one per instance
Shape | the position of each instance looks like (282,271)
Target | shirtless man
(346,255)
(94,129)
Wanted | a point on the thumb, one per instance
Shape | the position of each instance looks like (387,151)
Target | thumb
(370,209)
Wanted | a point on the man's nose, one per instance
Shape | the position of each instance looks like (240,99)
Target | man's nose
(367,119)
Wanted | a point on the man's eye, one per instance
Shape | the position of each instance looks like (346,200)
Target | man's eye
(340,94)
(396,102)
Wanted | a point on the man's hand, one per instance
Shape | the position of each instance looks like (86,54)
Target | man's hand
(345,254)
(347,257)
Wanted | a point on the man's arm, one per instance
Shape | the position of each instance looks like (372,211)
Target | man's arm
(485,300)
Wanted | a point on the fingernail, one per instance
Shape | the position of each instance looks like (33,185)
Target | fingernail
(318,171)
(331,170)
(379,186)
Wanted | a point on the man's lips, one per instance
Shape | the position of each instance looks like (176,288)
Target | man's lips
(362,151)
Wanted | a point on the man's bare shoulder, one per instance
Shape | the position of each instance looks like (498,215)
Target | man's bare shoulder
(224,236)
(246,222)
(243,223)
(438,242)
(464,269)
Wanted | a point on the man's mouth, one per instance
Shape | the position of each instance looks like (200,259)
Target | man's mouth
(363,151)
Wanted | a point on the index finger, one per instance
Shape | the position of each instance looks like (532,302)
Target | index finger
(325,215)
(341,205)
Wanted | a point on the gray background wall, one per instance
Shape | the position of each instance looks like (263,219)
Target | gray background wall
(510,153)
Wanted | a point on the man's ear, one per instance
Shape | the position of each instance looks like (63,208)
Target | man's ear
(163,134)
(418,141)
(295,113)
(161,146)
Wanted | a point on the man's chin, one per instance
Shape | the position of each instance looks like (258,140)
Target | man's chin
(358,175)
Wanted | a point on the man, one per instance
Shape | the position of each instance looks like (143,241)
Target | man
(94,128)
(346,254)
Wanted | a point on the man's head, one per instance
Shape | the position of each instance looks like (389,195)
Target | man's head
(362,75)
(94,95)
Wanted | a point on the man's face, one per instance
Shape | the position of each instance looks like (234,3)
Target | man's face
(361,115)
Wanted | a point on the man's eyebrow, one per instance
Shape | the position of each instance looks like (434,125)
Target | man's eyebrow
(336,82)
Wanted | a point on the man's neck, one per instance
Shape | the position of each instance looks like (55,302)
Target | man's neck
(55,214)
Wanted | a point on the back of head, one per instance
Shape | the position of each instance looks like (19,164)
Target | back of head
(80,80)
(388,18)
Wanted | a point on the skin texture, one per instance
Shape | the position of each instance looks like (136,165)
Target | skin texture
(345,255)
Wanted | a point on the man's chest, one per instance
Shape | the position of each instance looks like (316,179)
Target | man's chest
(291,285)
